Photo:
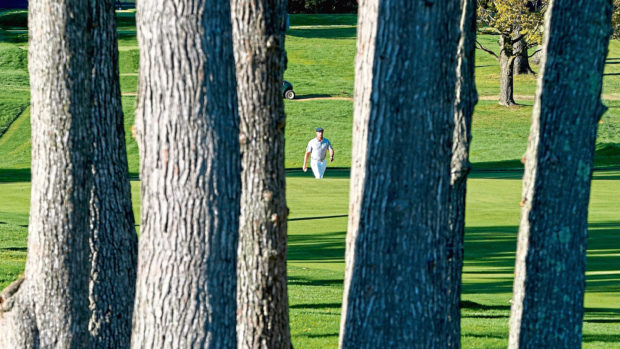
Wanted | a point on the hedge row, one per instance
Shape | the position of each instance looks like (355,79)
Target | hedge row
(322,6)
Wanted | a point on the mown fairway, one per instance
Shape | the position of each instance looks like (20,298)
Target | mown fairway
(321,50)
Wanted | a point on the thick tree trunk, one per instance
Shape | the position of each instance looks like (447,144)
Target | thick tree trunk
(113,242)
(466,98)
(521,65)
(506,79)
(547,310)
(522,61)
(187,126)
(50,308)
(396,289)
(262,302)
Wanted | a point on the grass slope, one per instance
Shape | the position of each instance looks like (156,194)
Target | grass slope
(321,50)
(317,229)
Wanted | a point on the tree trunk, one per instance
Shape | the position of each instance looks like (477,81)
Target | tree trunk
(521,64)
(547,310)
(262,302)
(187,126)
(396,289)
(506,65)
(50,308)
(113,241)
(466,98)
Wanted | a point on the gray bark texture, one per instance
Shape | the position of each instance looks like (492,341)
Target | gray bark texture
(113,241)
(187,125)
(521,65)
(547,310)
(506,70)
(466,99)
(262,302)
(396,288)
(50,307)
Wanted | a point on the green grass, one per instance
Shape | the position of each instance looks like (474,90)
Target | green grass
(316,255)
(320,64)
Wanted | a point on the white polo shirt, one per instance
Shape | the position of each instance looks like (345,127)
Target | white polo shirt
(318,149)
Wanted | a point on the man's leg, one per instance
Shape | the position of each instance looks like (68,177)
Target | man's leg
(322,165)
(315,169)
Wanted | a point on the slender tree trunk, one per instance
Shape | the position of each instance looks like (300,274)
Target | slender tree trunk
(466,98)
(547,310)
(113,242)
(396,289)
(187,126)
(50,308)
(506,68)
(521,64)
(262,302)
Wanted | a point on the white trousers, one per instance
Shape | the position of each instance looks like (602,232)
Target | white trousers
(318,168)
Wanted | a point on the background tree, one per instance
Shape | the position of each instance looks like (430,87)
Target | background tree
(187,127)
(517,26)
(466,99)
(50,306)
(547,310)
(113,241)
(396,260)
(262,302)
(615,20)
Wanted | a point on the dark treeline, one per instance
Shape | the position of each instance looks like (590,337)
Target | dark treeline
(322,6)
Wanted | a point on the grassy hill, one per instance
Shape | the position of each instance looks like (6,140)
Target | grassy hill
(321,51)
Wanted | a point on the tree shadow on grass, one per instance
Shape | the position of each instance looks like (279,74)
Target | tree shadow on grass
(331,172)
(335,334)
(310,96)
(611,338)
(316,306)
(323,33)
(491,250)
(14,175)
(300,281)
(14,249)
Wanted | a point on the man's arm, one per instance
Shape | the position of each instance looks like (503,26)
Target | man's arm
(331,154)
(306,161)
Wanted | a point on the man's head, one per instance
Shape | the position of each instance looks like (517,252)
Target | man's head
(319,133)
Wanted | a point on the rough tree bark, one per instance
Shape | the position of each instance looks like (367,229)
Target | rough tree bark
(262,302)
(397,254)
(506,70)
(187,126)
(113,241)
(466,99)
(50,308)
(547,310)
(522,62)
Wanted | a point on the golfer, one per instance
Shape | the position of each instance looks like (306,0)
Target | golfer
(317,148)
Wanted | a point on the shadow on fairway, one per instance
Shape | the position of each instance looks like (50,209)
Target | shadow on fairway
(313,218)
(324,33)
(14,175)
(611,338)
(491,250)
(335,334)
(300,281)
(316,306)
(14,249)
(316,247)
(310,96)
(331,172)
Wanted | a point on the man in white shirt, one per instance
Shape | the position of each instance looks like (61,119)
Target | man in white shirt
(317,148)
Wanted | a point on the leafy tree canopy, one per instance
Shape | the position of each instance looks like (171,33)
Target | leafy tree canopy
(509,17)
